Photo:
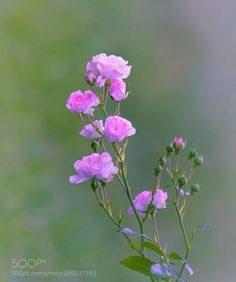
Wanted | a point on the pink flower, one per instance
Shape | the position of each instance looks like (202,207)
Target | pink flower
(90,132)
(99,166)
(143,200)
(103,67)
(179,143)
(117,128)
(118,89)
(82,102)
(160,198)
(91,68)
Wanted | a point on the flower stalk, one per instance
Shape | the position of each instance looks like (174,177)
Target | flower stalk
(106,75)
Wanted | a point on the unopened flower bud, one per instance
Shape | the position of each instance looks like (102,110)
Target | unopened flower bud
(169,149)
(198,161)
(192,154)
(195,188)
(94,184)
(157,169)
(182,181)
(179,143)
(162,161)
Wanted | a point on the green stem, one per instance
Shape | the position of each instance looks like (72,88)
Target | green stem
(128,192)
(116,223)
(157,238)
(182,225)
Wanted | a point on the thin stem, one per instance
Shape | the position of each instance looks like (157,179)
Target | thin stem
(116,223)
(103,146)
(184,263)
(182,225)
(183,166)
(157,238)
(176,162)
(128,191)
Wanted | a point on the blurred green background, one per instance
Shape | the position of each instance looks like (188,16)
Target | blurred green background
(183,83)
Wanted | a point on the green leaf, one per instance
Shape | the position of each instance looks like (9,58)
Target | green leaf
(154,248)
(175,256)
(139,264)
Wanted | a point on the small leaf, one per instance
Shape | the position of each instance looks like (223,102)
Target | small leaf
(154,248)
(139,264)
(175,256)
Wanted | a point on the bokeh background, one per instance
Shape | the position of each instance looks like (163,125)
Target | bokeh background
(183,83)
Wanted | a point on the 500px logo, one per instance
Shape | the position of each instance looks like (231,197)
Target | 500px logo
(27,263)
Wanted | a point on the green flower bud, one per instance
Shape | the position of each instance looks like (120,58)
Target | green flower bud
(192,154)
(157,169)
(182,181)
(162,161)
(195,188)
(169,149)
(94,184)
(198,161)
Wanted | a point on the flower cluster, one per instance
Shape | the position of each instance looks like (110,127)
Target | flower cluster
(105,75)
(108,72)
(111,70)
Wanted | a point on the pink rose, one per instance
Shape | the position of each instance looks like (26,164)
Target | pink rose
(118,89)
(179,143)
(143,200)
(160,198)
(90,132)
(91,68)
(82,102)
(117,128)
(103,67)
(99,166)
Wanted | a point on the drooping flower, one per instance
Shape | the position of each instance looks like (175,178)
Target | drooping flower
(90,131)
(99,166)
(103,67)
(143,200)
(117,89)
(179,143)
(82,102)
(117,128)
